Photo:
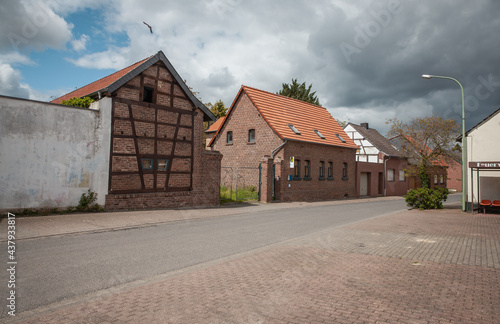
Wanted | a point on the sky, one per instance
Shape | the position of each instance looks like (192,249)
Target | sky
(364,58)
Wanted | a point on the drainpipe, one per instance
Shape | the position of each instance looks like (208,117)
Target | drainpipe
(276,149)
(99,95)
(385,176)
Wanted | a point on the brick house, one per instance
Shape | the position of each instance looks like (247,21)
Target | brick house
(304,153)
(380,166)
(156,155)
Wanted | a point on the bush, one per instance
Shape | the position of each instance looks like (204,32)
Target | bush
(78,102)
(88,202)
(425,198)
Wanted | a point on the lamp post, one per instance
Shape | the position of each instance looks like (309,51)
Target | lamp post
(464,170)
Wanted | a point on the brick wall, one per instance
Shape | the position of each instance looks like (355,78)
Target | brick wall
(167,132)
(315,188)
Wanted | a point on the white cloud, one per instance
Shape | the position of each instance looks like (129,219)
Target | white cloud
(30,25)
(10,82)
(80,44)
(114,58)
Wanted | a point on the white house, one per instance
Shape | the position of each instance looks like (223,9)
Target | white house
(483,160)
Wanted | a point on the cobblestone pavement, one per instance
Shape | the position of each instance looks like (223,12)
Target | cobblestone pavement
(409,267)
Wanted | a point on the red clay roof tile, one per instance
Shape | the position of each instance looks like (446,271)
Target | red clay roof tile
(280,111)
(99,84)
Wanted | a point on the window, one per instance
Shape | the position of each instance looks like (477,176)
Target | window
(251,136)
(295,130)
(402,175)
(162,164)
(296,169)
(435,179)
(321,169)
(390,174)
(307,168)
(319,134)
(148,94)
(340,138)
(344,172)
(330,170)
(147,164)
(229,138)
(441,180)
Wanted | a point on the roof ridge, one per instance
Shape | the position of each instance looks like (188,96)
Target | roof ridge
(285,97)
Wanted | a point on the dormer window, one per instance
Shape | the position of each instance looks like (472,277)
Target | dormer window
(295,130)
(340,138)
(319,134)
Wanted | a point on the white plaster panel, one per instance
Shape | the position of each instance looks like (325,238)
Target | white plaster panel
(50,154)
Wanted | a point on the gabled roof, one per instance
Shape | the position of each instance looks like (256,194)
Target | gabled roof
(112,82)
(377,139)
(280,112)
(215,126)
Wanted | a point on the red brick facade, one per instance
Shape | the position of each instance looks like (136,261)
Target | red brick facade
(156,151)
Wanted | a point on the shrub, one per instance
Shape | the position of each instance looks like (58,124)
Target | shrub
(425,198)
(88,202)
(78,102)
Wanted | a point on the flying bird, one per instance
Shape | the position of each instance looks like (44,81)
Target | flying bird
(150,28)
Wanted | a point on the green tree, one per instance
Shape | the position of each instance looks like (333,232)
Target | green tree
(426,142)
(218,109)
(299,91)
(78,102)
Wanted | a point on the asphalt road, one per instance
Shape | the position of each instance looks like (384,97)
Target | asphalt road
(55,268)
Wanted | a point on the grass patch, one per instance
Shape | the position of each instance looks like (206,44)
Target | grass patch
(246,193)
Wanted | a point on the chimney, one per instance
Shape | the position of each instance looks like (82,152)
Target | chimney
(365,125)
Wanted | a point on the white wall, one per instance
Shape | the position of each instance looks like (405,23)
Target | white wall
(51,154)
(483,146)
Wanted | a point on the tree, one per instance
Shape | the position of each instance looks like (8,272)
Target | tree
(218,109)
(426,142)
(299,91)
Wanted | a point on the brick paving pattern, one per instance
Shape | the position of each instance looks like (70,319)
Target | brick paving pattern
(410,267)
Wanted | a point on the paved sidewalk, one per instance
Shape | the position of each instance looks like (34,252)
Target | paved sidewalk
(411,267)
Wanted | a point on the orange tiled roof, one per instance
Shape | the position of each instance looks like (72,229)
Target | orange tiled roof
(99,84)
(215,126)
(280,111)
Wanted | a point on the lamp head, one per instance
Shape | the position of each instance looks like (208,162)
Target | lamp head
(426,76)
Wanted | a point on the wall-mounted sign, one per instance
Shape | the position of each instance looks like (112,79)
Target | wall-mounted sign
(292,163)
(484,165)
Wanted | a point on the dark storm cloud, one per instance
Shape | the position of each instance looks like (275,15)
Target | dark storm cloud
(375,59)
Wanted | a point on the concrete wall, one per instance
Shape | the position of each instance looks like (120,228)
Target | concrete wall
(51,154)
(482,146)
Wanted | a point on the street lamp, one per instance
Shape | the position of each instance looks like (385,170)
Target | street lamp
(464,170)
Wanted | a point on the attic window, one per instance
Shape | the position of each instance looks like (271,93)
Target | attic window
(340,138)
(295,130)
(319,134)
(148,94)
